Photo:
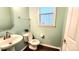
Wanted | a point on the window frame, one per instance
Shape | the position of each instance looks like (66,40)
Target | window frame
(46,25)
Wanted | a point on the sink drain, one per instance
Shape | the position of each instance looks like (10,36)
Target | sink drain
(10,43)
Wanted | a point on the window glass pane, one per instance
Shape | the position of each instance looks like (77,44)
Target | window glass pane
(44,10)
(47,19)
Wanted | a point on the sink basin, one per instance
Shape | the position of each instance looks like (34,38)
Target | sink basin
(9,42)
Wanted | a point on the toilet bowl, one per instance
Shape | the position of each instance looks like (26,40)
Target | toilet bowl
(32,42)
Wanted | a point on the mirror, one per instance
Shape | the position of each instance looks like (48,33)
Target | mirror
(6,21)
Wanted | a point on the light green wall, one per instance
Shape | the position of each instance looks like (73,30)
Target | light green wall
(5,18)
(23,22)
(53,35)
(64,25)
(20,24)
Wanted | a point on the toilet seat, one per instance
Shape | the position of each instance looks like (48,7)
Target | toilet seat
(34,42)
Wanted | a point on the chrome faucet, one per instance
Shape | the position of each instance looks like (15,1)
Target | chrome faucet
(7,35)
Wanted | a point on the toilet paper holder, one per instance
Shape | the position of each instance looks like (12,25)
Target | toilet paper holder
(42,36)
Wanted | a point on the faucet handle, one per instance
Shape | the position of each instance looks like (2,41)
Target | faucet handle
(4,37)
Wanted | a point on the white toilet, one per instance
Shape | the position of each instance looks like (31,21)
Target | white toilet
(32,42)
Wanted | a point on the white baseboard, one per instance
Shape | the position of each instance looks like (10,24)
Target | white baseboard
(23,48)
(51,46)
(44,45)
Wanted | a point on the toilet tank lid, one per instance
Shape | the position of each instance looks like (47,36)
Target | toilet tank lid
(26,34)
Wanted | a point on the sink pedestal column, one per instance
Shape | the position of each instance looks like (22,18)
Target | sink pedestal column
(0,49)
(11,48)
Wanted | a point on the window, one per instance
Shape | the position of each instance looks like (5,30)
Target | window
(47,16)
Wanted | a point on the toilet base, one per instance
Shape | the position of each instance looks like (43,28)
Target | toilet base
(33,47)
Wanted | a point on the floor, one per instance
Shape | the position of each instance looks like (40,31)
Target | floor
(42,48)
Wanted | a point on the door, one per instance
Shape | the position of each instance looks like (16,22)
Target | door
(71,36)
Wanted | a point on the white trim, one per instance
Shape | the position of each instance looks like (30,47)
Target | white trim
(44,45)
(51,46)
(23,48)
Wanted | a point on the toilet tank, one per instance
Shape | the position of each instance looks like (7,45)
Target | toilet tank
(27,36)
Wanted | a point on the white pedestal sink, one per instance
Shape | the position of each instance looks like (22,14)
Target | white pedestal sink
(10,42)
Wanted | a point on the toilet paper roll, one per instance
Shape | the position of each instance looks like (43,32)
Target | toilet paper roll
(42,36)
